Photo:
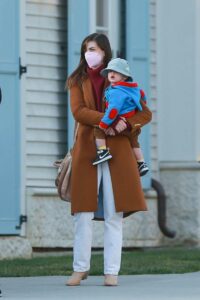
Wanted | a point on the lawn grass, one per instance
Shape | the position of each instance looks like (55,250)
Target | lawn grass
(154,261)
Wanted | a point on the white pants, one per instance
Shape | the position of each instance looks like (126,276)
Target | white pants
(112,230)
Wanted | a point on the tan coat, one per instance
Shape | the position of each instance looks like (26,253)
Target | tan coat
(128,193)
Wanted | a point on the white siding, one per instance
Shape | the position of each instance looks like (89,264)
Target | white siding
(153,89)
(46,101)
(177,62)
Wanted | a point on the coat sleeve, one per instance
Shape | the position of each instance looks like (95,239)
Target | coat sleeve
(80,111)
(141,118)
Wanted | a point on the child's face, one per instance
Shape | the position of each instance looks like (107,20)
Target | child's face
(114,77)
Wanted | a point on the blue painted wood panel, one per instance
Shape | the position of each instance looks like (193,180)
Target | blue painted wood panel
(137,45)
(78,29)
(9,117)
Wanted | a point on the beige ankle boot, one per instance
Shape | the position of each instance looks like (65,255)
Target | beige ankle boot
(76,277)
(110,280)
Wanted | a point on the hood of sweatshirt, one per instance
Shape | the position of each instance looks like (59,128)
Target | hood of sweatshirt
(131,89)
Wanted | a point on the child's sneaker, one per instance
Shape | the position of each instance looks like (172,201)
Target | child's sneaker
(143,168)
(102,155)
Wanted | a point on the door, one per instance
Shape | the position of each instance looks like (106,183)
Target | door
(9,118)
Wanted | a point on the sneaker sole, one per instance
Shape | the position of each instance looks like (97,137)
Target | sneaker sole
(144,172)
(104,159)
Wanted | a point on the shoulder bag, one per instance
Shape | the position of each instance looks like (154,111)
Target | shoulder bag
(63,179)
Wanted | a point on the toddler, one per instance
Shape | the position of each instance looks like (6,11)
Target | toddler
(122,99)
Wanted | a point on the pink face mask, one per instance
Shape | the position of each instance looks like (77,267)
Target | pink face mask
(94,59)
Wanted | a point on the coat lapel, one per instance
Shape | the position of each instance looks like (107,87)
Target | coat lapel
(89,96)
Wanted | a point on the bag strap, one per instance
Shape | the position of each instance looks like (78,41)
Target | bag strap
(76,126)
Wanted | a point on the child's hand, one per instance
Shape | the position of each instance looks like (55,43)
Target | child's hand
(121,125)
(110,131)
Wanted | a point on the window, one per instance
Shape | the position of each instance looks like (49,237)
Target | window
(105,18)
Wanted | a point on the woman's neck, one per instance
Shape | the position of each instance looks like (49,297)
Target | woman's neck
(96,67)
(95,70)
(98,82)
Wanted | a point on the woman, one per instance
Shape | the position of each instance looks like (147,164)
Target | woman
(112,190)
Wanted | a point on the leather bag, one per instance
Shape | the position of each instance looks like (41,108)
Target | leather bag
(63,179)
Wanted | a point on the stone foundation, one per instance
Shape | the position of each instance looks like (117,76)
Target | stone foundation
(181,182)
(141,229)
(15,247)
(49,219)
(50,223)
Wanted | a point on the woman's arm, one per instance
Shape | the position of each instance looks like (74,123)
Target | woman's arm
(141,118)
(79,110)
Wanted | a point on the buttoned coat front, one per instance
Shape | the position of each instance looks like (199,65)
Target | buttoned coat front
(127,190)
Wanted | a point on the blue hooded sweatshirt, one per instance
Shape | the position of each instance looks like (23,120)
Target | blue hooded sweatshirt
(122,99)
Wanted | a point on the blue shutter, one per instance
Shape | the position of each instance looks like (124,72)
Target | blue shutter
(137,45)
(78,29)
(9,117)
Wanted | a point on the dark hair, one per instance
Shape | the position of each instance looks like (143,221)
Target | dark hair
(79,74)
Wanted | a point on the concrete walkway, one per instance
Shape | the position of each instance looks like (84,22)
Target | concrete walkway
(136,287)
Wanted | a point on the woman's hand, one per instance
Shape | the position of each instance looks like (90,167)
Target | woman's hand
(110,131)
(116,128)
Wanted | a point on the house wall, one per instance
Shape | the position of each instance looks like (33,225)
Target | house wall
(43,50)
(46,110)
(177,80)
(178,114)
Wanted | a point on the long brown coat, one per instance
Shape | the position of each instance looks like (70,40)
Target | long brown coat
(128,193)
